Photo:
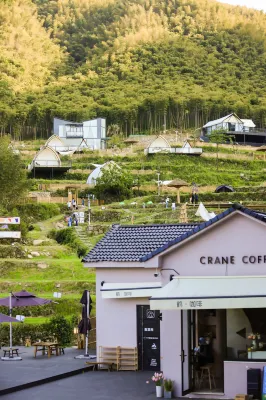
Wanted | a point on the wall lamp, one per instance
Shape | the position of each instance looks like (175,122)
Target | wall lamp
(102,283)
(167,269)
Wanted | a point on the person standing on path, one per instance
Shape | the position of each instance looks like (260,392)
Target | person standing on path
(195,191)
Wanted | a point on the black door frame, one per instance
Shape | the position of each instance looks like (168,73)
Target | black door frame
(153,329)
(191,342)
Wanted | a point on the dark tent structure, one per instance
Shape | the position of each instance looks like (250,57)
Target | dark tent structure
(224,189)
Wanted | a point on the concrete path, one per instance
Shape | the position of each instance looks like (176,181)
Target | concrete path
(94,385)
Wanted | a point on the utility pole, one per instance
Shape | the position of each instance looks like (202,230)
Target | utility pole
(89,210)
(158,182)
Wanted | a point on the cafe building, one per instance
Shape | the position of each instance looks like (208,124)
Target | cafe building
(190,297)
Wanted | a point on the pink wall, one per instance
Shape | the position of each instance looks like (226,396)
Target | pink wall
(171,348)
(235,376)
(236,236)
(116,323)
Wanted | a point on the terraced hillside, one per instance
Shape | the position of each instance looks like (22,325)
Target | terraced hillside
(43,265)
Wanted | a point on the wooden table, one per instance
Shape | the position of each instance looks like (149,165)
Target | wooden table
(46,346)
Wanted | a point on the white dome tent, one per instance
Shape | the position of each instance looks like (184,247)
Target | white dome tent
(94,175)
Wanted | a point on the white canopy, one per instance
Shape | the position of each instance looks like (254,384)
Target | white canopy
(129,290)
(220,292)
(248,123)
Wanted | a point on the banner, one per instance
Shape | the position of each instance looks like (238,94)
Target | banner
(10,220)
(10,235)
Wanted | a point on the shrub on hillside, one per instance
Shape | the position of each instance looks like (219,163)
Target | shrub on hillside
(34,212)
(68,236)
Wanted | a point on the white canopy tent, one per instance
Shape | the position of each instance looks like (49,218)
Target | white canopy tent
(219,292)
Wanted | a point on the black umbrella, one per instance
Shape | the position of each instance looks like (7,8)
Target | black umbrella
(85,325)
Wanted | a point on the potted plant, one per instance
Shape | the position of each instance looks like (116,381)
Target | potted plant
(158,379)
(168,388)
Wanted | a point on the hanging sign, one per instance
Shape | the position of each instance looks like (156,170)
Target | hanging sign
(10,220)
(10,235)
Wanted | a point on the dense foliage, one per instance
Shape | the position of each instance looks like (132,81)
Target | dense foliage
(69,237)
(113,185)
(140,63)
(12,176)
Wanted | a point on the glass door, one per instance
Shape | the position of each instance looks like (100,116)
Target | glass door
(187,348)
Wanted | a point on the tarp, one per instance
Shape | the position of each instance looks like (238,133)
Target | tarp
(203,213)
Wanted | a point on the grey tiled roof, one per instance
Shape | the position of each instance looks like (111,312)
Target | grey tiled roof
(134,242)
(142,242)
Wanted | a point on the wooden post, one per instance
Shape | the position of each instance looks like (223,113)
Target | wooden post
(178,196)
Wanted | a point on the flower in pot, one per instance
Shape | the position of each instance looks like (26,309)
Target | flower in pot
(158,379)
(168,388)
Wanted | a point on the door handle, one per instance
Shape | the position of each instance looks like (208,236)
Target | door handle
(183,355)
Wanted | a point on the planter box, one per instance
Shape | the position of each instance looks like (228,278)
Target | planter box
(167,395)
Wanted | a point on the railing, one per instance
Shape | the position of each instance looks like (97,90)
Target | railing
(50,164)
(175,150)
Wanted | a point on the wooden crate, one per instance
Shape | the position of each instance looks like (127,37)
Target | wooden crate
(125,358)
(128,358)
(108,354)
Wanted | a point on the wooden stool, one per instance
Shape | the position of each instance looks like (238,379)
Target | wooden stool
(206,374)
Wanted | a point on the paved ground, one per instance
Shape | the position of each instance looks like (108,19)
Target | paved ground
(93,385)
(13,373)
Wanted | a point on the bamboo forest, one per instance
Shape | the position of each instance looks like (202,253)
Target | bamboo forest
(145,65)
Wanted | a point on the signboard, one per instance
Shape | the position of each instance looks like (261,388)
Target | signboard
(10,235)
(10,220)
(148,338)
(209,303)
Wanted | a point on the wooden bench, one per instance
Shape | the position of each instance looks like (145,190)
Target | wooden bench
(95,365)
(10,352)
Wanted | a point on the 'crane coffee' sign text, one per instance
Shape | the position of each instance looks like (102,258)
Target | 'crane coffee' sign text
(205,260)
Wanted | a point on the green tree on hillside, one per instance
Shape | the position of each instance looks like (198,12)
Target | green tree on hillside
(219,136)
(113,185)
(12,175)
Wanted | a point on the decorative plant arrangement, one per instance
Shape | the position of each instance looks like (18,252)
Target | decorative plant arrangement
(256,341)
(168,388)
(158,378)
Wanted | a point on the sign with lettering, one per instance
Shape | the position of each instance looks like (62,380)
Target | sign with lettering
(10,220)
(129,293)
(148,333)
(227,260)
(10,235)
(206,303)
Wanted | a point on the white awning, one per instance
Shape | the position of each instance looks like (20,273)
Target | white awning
(129,290)
(221,292)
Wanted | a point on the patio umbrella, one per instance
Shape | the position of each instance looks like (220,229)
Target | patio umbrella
(85,325)
(20,299)
(6,318)
(177,183)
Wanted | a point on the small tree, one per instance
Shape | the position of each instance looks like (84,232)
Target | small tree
(12,175)
(114,184)
(219,136)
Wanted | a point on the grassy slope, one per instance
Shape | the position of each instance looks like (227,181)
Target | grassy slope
(63,267)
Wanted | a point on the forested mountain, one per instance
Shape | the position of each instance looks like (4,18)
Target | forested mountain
(140,63)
